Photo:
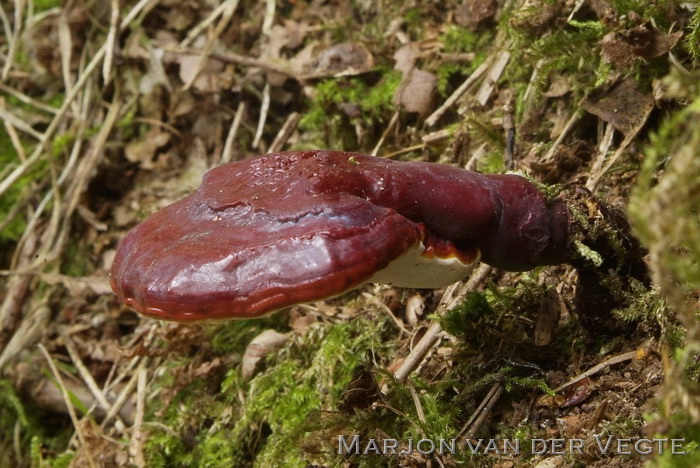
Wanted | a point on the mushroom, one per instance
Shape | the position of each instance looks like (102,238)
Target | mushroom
(272,231)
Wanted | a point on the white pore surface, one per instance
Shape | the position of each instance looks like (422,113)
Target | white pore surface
(414,270)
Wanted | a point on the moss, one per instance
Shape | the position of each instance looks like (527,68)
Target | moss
(24,427)
(302,379)
(463,319)
(458,40)
(528,383)
(43,5)
(77,259)
(692,39)
(331,127)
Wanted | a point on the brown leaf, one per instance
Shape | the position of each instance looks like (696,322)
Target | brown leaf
(345,59)
(415,305)
(203,73)
(143,150)
(473,13)
(405,57)
(578,393)
(547,318)
(265,343)
(623,106)
(416,93)
(645,41)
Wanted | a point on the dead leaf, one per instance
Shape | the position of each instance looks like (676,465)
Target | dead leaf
(345,59)
(644,41)
(558,87)
(265,343)
(144,149)
(623,106)
(288,36)
(547,318)
(415,305)
(300,322)
(405,57)
(578,393)
(473,13)
(416,93)
(204,71)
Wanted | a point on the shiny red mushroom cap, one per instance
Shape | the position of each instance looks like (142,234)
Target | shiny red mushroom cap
(265,233)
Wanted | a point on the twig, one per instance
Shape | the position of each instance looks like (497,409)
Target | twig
(484,93)
(530,91)
(33,324)
(52,248)
(595,369)
(389,127)
(137,437)
(603,148)
(197,30)
(264,107)
(65,44)
(476,157)
(27,100)
(88,378)
(18,286)
(595,179)
(415,357)
(453,294)
(479,415)
(12,38)
(408,149)
(270,7)
(509,129)
(416,402)
(111,42)
(227,153)
(575,9)
(211,41)
(399,324)
(285,132)
(123,395)
(10,118)
(237,59)
(468,83)
(549,155)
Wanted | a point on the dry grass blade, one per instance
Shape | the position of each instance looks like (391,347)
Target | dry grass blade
(227,152)
(597,368)
(211,41)
(111,41)
(138,436)
(11,35)
(494,74)
(88,379)
(11,119)
(68,402)
(453,294)
(27,99)
(71,95)
(285,132)
(32,327)
(264,108)
(454,97)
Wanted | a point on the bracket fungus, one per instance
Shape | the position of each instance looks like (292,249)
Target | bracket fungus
(272,231)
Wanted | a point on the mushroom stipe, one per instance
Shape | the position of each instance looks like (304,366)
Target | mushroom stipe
(276,230)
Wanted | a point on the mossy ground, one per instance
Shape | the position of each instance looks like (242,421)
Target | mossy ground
(186,402)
